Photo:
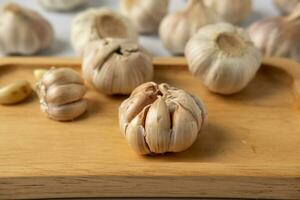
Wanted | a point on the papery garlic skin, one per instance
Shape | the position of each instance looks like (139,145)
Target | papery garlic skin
(23,31)
(286,6)
(62,5)
(158,118)
(61,94)
(146,15)
(233,11)
(223,57)
(177,28)
(94,24)
(116,66)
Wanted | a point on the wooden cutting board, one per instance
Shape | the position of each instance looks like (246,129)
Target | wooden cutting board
(250,148)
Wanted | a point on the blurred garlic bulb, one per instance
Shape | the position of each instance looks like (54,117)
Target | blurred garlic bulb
(94,24)
(286,6)
(61,91)
(145,14)
(157,119)
(23,31)
(223,57)
(278,36)
(233,11)
(116,66)
(61,5)
(177,28)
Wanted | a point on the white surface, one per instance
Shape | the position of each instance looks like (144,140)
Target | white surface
(61,22)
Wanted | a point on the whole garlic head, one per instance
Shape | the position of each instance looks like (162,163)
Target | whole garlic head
(157,119)
(23,31)
(94,24)
(286,6)
(146,15)
(278,36)
(61,91)
(223,57)
(233,11)
(62,5)
(116,66)
(177,28)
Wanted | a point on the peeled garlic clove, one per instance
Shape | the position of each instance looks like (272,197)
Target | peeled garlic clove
(233,11)
(94,24)
(146,15)
(61,5)
(39,73)
(165,123)
(223,57)
(177,28)
(116,66)
(278,36)
(23,31)
(15,92)
(286,6)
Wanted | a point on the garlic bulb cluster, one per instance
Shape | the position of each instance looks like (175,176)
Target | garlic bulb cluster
(61,91)
(286,6)
(278,36)
(223,57)
(233,11)
(157,119)
(177,28)
(116,66)
(94,24)
(145,14)
(61,5)
(23,31)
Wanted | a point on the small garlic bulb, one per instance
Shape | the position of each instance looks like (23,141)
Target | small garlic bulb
(95,24)
(145,14)
(157,119)
(116,66)
(223,57)
(278,36)
(177,28)
(233,11)
(61,91)
(61,5)
(23,31)
(286,6)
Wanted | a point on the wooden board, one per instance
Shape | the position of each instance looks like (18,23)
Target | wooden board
(250,148)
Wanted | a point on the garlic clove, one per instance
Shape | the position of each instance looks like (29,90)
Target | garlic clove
(61,5)
(61,76)
(158,127)
(39,73)
(15,92)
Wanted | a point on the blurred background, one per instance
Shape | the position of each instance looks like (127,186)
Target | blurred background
(61,22)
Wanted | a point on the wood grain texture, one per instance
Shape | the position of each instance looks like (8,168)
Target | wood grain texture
(250,148)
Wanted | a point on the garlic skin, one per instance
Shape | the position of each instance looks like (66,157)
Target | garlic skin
(146,15)
(278,36)
(233,11)
(223,57)
(177,28)
(94,24)
(61,5)
(61,91)
(116,66)
(286,6)
(158,118)
(23,31)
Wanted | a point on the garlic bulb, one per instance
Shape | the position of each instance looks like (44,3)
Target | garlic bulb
(177,28)
(233,11)
(61,5)
(278,36)
(95,24)
(23,31)
(157,119)
(116,66)
(223,57)
(286,6)
(61,92)
(145,14)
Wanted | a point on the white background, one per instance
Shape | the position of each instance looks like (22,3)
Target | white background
(61,22)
